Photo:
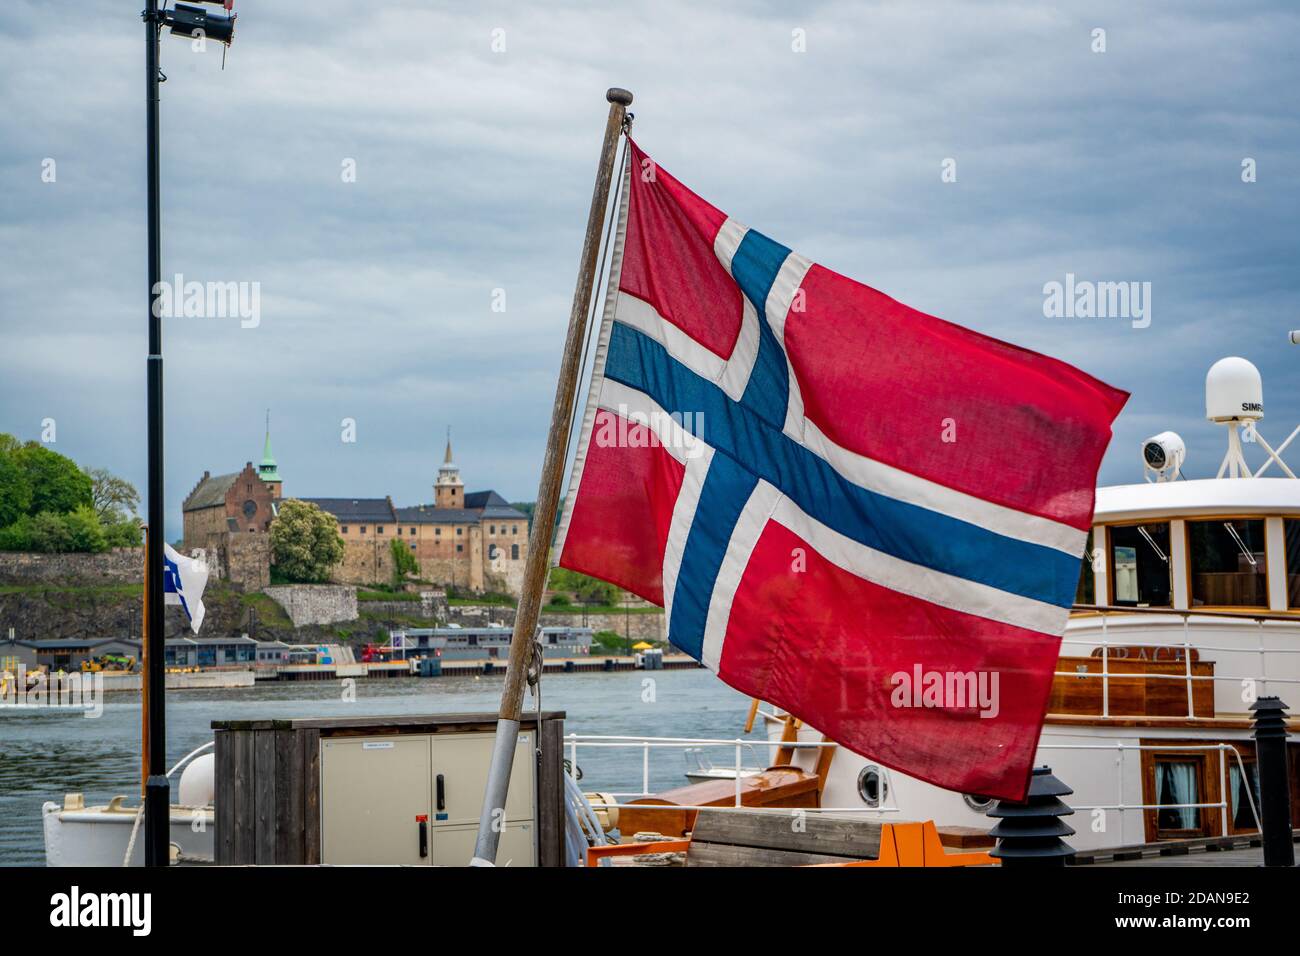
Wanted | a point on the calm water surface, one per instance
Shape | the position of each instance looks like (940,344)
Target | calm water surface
(44,754)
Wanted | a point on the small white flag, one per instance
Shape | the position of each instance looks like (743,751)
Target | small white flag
(184,579)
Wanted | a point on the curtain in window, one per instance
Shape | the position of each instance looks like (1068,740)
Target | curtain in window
(1176,783)
(1242,818)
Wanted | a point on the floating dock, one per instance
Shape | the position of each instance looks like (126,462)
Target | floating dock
(459,667)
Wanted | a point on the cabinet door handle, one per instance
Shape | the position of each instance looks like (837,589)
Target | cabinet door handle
(442,794)
(423,822)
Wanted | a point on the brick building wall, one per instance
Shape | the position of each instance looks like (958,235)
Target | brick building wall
(249,501)
(216,501)
(366,559)
(241,558)
(201,524)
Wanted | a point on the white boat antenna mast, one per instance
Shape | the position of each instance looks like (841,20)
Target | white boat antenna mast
(1234,397)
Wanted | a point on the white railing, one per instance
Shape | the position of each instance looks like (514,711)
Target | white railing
(647,744)
(1187,647)
(738,745)
(1224,780)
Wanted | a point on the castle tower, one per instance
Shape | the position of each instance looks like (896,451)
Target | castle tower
(268,471)
(448,489)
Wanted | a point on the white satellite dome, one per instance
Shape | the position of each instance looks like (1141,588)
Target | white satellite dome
(1234,391)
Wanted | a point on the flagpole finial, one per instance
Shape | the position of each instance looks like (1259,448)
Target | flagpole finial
(616,94)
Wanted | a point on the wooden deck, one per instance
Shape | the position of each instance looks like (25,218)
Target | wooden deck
(1247,856)
(1245,850)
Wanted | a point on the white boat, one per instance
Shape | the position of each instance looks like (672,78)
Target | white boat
(699,768)
(1188,612)
(112,834)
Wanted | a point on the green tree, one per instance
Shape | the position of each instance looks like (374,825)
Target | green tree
(15,489)
(112,497)
(17,536)
(126,533)
(49,534)
(57,484)
(85,533)
(404,562)
(305,542)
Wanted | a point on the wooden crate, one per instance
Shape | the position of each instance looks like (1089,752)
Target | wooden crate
(268,780)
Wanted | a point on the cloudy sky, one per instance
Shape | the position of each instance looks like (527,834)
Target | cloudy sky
(473,173)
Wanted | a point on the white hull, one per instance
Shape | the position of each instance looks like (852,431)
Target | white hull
(98,836)
(1101,778)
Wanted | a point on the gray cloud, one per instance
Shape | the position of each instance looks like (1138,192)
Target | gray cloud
(474,171)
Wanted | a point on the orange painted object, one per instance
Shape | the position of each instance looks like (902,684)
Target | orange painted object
(597,853)
(673,812)
(916,844)
(901,844)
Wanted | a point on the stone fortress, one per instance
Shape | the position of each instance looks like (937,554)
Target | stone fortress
(473,541)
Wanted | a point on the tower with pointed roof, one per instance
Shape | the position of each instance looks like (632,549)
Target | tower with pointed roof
(267,470)
(448,489)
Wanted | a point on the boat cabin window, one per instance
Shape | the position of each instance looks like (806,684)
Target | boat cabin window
(1243,811)
(1292,536)
(1178,783)
(1228,565)
(1139,563)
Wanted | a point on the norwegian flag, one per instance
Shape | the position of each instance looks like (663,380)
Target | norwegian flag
(860,513)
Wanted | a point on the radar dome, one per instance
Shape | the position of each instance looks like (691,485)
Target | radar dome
(1234,391)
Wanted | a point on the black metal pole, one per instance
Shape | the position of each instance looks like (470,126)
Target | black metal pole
(157,793)
(1274,781)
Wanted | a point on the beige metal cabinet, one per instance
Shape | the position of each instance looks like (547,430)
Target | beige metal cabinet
(415,799)
(518,846)
(461,761)
(353,790)
(373,792)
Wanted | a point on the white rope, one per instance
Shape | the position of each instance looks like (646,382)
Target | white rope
(582,827)
(135,828)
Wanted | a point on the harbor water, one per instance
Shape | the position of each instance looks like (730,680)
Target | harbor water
(47,753)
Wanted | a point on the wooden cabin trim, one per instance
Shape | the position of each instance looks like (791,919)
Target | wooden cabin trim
(1243,614)
(1199,723)
(1132,686)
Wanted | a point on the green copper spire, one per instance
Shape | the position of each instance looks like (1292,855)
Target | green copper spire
(268,470)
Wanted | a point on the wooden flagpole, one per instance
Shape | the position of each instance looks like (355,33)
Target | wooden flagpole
(548,499)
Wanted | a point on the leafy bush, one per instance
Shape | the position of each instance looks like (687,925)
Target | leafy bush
(610,641)
(49,534)
(127,533)
(305,542)
(588,590)
(404,561)
(17,536)
(84,530)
